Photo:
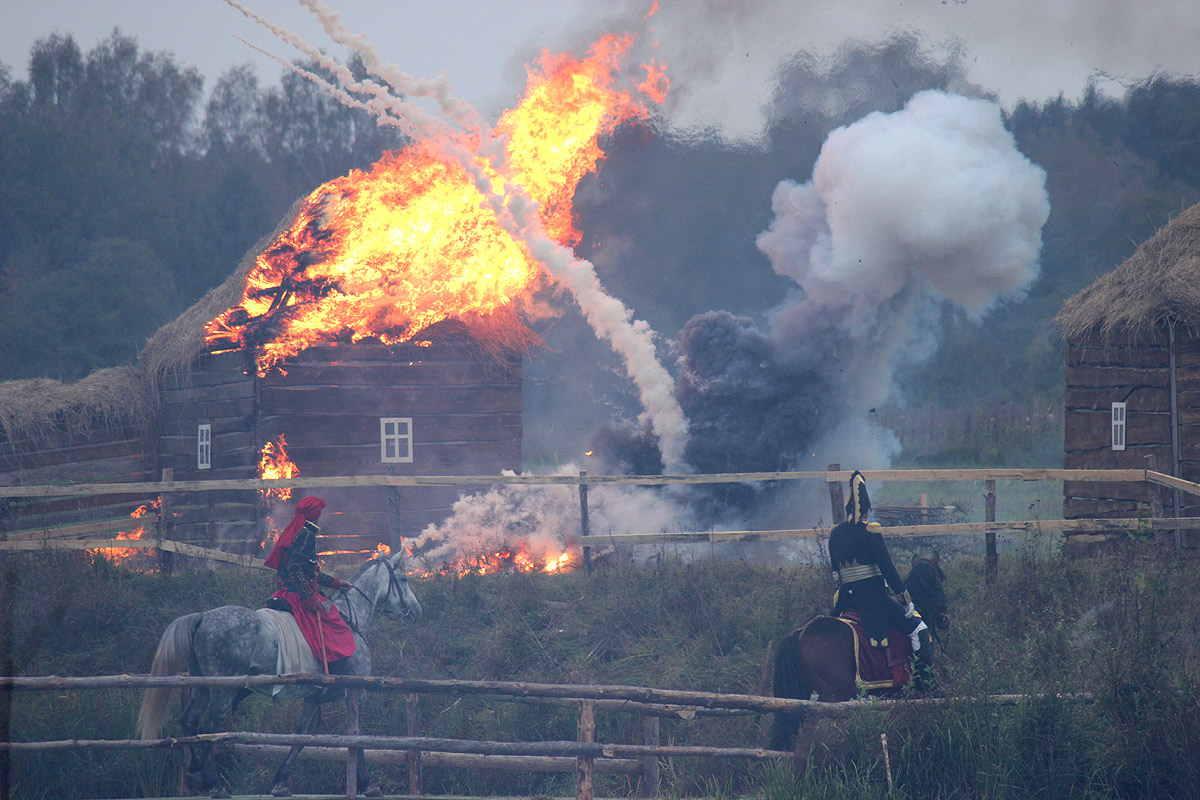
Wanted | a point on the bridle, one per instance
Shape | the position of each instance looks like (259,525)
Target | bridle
(382,604)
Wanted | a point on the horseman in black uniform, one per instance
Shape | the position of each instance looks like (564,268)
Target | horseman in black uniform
(863,568)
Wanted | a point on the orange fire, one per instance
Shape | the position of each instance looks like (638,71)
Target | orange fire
(506,559)
(121,555)
(274,463)
(387,253)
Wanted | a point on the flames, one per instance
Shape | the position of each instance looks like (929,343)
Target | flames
(415,240)
(274,463)
(518,558)
(122,555)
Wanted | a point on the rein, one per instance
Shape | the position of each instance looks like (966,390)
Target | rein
(393,583)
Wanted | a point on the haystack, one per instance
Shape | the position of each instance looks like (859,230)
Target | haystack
(1157,285)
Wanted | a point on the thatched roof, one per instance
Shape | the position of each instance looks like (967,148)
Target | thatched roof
(1159,283)
(109,398)
(174,346)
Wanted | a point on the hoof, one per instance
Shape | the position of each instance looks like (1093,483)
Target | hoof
(280,790)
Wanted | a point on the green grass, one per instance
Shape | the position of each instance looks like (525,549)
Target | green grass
(1123,628)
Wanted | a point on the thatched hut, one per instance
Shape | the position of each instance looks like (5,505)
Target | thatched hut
(1132,397)
(442,405)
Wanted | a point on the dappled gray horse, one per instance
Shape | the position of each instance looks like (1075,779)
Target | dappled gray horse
(233,640)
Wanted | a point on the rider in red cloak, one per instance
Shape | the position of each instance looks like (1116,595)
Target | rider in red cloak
(294,558)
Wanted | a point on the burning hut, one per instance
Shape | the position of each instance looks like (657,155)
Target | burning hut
(1133,375)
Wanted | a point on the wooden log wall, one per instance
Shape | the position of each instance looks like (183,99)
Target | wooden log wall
(116,454)
(219,390)
(465,408)
(1136,371)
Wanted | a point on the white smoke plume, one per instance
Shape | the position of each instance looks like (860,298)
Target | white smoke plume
(905,211)
(545,520)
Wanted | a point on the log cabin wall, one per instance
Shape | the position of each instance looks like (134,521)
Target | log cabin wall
(105,454)
(219,391)
(460,406)
(1136,372)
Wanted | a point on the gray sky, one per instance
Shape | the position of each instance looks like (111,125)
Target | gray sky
(720,53)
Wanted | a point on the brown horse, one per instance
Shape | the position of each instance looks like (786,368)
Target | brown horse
(819,657)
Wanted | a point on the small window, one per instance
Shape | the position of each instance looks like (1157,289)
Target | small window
(1118,426)
(395,440)
(204,447)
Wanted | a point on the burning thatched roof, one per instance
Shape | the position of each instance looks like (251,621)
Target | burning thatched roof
(1159,283)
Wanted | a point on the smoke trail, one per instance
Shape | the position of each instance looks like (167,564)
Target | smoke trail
(632,339)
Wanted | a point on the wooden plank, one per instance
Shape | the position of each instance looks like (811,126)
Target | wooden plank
(110,470)
(1104,460)
(79,529)
(315,430)
(1116,377)
(217,393)
(1082,507)
(220,426)
(203,412)
(408,375)
(1143,357)
(1151,399)
(187,445)
(50,456)
(1093,429)
(397,402)
(1129,490)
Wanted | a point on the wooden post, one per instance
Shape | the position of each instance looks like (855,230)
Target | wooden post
(583,523)
(353,728)
(836,500)
(649,784)
(923,504)
(412,705)
(585,784)
(991,561)
(165,557)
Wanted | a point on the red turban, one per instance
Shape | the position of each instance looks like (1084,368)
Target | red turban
(309,508)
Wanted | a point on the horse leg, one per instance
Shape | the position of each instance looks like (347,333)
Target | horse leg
(189,723)
(790,680)
(308,714)
(220,706)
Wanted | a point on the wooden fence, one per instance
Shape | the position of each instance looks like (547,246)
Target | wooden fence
(584,756)
(68,537)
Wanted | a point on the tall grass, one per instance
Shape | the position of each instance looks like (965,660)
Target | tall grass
(1123,629)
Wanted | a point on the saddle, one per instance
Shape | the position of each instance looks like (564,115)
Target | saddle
(877,668)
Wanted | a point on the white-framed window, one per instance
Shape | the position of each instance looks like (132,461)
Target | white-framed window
(204,447)
(395,440)
(1118,426)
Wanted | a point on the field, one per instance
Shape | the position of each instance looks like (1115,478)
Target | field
(1123,629)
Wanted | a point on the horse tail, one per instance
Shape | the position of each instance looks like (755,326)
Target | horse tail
(174,655)
(790,680)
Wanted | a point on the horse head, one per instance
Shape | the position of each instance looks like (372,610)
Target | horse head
(926,585)
(398,597)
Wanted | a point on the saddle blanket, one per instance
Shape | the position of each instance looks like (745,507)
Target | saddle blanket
(294,653)
(879,668)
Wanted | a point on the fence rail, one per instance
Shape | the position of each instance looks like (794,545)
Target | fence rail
(52,538)
(583,756)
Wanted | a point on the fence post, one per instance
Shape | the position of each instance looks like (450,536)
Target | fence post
(835,496)
(583,523)
(165,557)
(585,784)
(992,566)
(412,707)
(353,728)
(649,786)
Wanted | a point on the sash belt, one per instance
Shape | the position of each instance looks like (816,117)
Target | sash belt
(857,572)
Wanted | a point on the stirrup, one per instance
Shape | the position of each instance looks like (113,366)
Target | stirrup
(915,636)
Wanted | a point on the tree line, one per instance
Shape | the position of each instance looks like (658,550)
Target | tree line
(127,191)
